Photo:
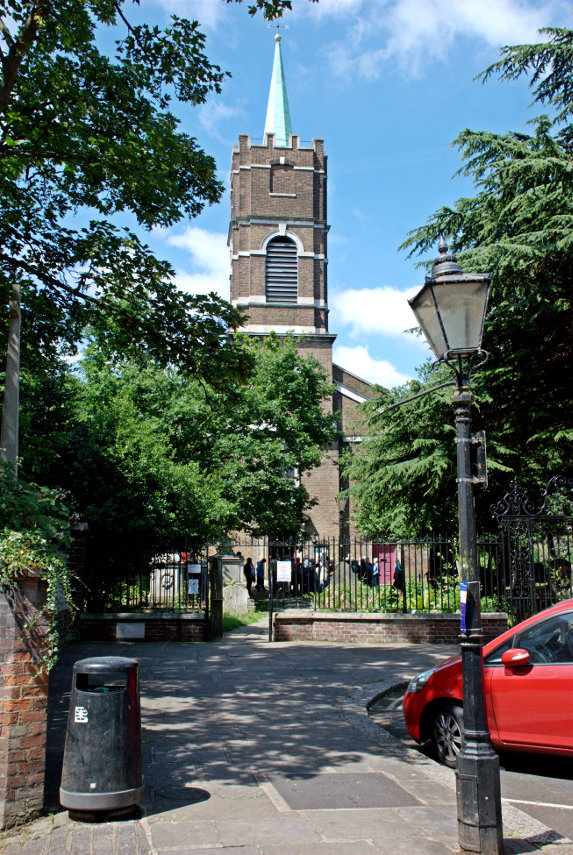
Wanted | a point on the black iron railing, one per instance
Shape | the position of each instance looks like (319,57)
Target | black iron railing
(523,568)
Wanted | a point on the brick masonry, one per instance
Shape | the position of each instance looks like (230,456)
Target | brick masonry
(143,627)
(23,702)
(305,625)
(282,190)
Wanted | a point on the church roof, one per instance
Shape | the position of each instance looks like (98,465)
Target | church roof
(278,114)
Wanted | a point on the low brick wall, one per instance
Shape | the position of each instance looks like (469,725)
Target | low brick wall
(139,626)
(303,625)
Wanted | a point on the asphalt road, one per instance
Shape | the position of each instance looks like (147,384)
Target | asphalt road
(541,786)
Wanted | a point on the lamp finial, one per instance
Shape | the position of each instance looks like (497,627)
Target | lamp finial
(445,262)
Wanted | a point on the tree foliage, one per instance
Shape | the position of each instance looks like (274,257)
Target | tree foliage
(148,455)
(518,225)
(34,529)
(271,9)
(86,135)
(402,469)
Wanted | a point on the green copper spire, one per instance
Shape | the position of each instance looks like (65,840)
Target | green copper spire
(278,115)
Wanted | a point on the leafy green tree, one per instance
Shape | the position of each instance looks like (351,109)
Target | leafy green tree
(81,134)
(34,529)
(519,226)
(85,135)
(148,455)
(272,436)
(403,474)
(403,471)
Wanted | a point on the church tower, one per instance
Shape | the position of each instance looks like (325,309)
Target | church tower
(278,229)
(278,242)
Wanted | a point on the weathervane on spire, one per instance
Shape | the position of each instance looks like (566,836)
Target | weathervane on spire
(278,24)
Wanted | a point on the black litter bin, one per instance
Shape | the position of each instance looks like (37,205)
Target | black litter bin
(102,757)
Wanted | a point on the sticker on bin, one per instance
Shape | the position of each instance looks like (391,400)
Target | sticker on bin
(81,715)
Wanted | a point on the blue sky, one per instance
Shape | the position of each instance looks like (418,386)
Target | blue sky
(388,84)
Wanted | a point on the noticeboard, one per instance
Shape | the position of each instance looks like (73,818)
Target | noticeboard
(284,571)
(193,575)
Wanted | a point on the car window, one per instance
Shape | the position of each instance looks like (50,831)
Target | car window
(494,658)
(550,640)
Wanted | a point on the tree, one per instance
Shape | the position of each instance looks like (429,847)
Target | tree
(148,455)
(403,471)
(81,132)
(519,226)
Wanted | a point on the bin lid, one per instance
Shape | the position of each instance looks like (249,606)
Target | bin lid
(105,664)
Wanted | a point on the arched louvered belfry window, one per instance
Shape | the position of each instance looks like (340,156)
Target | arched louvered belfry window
(281,272)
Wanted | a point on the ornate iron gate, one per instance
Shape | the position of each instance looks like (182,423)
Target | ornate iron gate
(537,546)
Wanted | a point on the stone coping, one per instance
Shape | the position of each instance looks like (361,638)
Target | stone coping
(307,614)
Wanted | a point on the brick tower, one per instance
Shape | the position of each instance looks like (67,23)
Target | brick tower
(278,238)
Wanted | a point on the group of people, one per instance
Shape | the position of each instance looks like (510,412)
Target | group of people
(251,574)
(367,571)
(307,576)
(310,576)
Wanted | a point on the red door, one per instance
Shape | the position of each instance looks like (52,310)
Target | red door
(386,554)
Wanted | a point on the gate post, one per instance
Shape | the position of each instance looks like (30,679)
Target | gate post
(215,616)
(271,593)
(23,701)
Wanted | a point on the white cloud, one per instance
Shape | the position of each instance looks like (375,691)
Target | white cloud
(411,32)
(381,310)
(214,113)
(210,256)
(358,361)
(329,8)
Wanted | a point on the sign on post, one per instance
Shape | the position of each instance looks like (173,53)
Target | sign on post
(463,602)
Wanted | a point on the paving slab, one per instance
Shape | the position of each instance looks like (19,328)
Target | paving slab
(330,791)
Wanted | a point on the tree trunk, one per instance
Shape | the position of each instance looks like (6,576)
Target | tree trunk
(10,409)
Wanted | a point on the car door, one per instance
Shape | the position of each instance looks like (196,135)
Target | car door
(533,704)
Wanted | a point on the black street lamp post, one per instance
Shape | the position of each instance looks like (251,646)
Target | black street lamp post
(450,309)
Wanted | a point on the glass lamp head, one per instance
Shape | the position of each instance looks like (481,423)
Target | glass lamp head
(451,307)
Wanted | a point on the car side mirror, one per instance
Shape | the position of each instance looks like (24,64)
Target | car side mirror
(514,657)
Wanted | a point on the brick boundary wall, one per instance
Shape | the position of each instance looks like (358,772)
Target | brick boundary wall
(138,626)
(305,625)
(23,702)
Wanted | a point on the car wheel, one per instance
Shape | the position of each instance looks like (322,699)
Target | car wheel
(447,734)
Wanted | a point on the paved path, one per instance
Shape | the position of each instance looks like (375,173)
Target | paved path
(267,749)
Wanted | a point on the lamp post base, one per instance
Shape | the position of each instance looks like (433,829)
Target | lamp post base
(477,776)
(478,798)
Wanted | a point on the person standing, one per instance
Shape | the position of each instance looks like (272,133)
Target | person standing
(249,571)
(376,572)
(261,574)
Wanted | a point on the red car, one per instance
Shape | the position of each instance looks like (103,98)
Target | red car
(528,688)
